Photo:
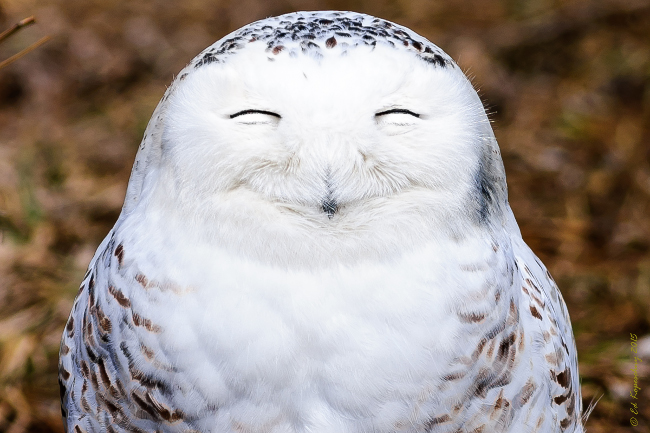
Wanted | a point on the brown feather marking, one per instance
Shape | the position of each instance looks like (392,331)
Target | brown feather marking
(501,406)
(498,402)
(504,347)
(103,373)
(535,313)
(148,382)
(453,376)
(120,387)
(512,356)
(91,290)
(551,358)
(472,317)
(104,322)
(143,405)
(70,327)
(119,297)
(531,283)
(479,349)
(85,371)
(142,280)
(149,353)
(566,349)
(564,378)
(114,392)
(437,420)
(164,412)
(119,253)
(572,403)
(63,373)
(490,350)
(513,314)
(88,326)
(565,423)
(146,323)
(560,399)
(93,379)
(85,405)
(527,391)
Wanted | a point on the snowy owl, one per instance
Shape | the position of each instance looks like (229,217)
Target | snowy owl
(316,237)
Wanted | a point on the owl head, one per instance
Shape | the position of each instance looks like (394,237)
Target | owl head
(335,126)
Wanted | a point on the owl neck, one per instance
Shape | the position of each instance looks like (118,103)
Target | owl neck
(243,223)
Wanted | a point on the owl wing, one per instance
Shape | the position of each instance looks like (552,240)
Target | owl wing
(111,373)
(555,356)
(519,371)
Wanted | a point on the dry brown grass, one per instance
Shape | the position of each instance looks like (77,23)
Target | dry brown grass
(566,81)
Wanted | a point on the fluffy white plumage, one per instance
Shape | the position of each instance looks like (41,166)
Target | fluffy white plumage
(316,238)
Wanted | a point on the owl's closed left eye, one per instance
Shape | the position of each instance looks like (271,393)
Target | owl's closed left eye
(256,117)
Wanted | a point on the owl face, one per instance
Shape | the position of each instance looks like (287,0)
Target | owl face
(322,134)
(317,138)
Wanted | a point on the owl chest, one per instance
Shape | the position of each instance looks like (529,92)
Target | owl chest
(236,327)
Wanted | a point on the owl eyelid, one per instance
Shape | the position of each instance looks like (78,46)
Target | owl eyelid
(243,112)
(397,110)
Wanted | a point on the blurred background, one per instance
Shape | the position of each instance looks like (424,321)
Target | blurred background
(566,83)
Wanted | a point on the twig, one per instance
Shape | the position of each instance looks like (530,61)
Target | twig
(18,55)
(19,25)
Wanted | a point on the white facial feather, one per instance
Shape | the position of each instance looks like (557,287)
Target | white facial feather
(327,146)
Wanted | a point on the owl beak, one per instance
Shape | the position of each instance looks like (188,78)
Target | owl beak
(329,205)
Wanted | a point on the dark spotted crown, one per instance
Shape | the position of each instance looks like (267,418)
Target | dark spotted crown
(312,32)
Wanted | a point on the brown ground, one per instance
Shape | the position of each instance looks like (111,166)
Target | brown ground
(566,82)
